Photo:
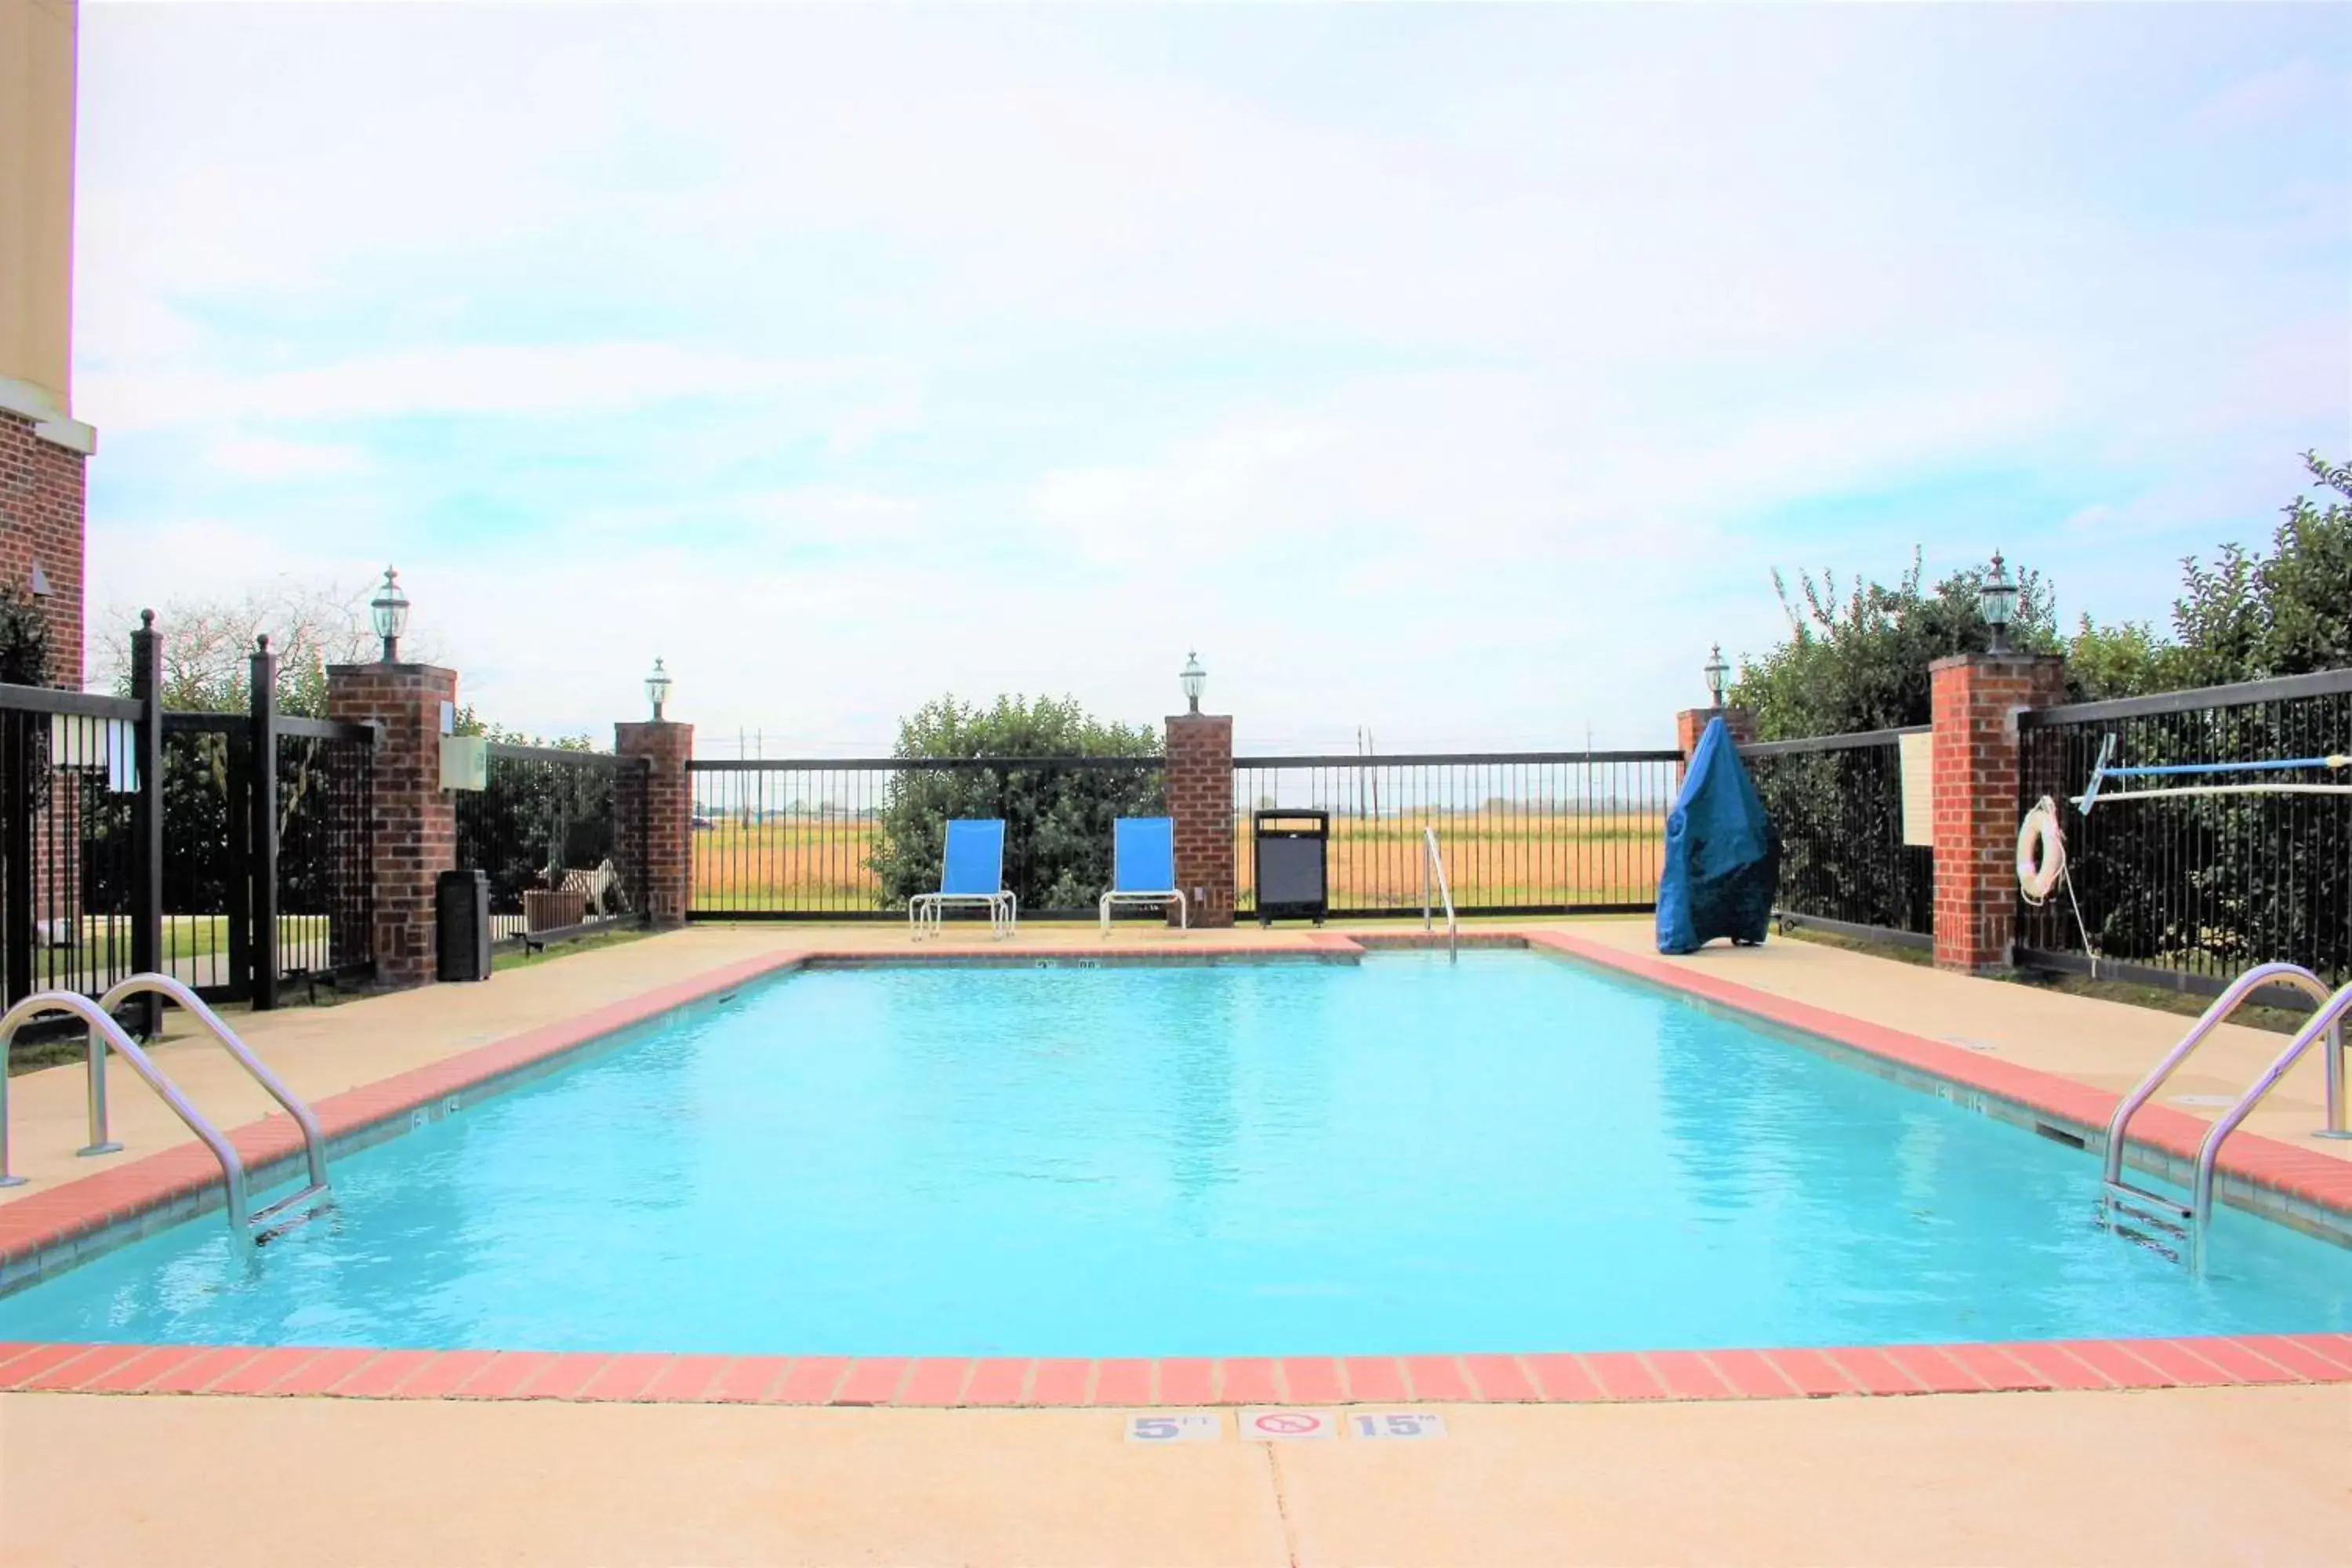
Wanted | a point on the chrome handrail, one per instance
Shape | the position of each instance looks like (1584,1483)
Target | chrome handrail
(2328,1021)
(105,1032)
(2224,1005)
(1432,862)
(314,1142)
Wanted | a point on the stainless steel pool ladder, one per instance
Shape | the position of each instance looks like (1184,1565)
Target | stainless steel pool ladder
(1433,864)
(2189,1220)
(258,1226)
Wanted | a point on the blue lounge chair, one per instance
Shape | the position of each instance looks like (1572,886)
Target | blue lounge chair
(971,872)
(1143,868)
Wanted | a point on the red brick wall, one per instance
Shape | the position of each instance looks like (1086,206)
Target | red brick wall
(1200,799)
(1975,700)
(667,793)
(414,819)
(41,520)
(1691,724)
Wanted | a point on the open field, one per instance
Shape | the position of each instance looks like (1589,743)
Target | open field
(1512,857)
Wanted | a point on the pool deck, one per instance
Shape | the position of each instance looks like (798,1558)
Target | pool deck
(1547,1459)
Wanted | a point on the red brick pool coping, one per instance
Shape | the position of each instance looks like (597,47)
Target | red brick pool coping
(1589,1378)
(48,1230)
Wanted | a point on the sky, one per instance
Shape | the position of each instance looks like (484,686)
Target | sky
(1460,373)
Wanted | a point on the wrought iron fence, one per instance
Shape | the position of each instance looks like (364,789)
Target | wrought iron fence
(851,839)
(2191,890)
(561,836)
(68,779)
(1837,803)
(1521,832)
(326,848)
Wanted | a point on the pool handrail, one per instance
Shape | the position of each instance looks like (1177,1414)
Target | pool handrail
(2228,1002)
(2327,1022)
(314,1142)
(105,1032)
(1431,862)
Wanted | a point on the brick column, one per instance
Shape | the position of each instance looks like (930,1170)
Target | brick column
(1200,799)
(41,494)
(1691,724)
(1976,698)
(412,819)
(654,824)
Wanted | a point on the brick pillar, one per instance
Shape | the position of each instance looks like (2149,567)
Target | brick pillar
(1691,724)
(412,819)
(1200,799)
(654,818)
(1976,698)
(41,498)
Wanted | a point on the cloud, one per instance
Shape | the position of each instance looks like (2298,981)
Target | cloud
(2258,99)
(264,457)
(841,356)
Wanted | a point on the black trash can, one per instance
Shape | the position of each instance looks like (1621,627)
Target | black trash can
(462,924)
(1291,857)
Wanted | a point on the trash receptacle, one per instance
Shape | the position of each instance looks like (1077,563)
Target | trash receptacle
(1291,860)
(462,924)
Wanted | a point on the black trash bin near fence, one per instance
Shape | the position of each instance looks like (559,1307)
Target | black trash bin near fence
(1291,855)
(462,924)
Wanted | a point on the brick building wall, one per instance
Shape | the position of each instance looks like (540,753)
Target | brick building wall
(41,495)
(1975,700)
(660,797)
(413,820)
(1201,800)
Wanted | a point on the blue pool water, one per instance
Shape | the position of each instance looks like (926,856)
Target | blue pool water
(1513,1154)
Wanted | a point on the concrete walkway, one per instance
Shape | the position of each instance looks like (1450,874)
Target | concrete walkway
(2243,1475)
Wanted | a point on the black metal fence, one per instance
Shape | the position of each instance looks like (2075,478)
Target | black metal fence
(68,782)
(1520,832)
(231,851)
(2190,891)
(561,837)
(1837,803)
(852,839)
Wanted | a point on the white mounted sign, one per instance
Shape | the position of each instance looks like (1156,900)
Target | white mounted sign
(1918,759)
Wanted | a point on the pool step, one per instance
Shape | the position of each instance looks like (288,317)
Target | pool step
(2167,1214)
(273,1220)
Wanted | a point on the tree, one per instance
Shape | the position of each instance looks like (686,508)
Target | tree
(1057,820)
(1859,660)
(2249,617)
(24,638)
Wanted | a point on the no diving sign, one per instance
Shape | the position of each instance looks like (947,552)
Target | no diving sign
(1288,1426)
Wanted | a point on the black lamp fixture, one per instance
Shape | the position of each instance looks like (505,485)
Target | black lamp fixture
(1194,678)
(657,690)
(1718,676)
(1997,602)
(390,608)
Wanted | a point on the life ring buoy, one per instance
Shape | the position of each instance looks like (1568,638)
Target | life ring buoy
(2040,852)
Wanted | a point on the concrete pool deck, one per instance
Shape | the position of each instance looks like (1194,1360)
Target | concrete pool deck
(2088,1476)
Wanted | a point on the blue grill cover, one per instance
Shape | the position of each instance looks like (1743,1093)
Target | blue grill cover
(1723,857)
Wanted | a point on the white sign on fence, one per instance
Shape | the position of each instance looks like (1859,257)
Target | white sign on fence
(1918,758)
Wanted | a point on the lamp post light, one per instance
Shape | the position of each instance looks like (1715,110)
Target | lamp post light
(1997,602)
(657,690)
(1194,678)
(1718,676)
(390,608)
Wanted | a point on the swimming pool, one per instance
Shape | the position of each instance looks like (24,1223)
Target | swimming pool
(1396,1158)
